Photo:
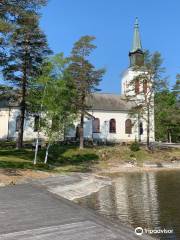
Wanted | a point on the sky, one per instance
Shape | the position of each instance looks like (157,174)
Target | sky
(111,22)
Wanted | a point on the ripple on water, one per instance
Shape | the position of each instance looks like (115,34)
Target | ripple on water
(147,199)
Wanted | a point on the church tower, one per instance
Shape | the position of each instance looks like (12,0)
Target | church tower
(136,56)
(134,89)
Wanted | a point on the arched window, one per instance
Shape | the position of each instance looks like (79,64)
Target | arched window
(137,86)
(36,123)
(17,123)
(96,125)
(128,126)
(145,86)
(141,130)
(112,126)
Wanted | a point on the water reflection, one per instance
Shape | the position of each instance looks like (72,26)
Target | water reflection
(150,200)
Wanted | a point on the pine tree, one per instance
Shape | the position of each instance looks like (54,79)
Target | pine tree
(176,88)
(10,11)
(28,49)
(85,76)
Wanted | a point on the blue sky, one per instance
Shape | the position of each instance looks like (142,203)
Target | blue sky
(111,22)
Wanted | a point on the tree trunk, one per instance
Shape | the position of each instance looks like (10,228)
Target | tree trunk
(148,129)
(139,135)
(81,131)
(47,153)
(19,143)
(36,149)
(169,136)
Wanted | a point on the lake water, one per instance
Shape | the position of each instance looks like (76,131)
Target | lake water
(150,200)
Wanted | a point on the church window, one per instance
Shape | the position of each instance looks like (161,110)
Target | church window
(17,123)
(96,125)
(112,126)
(36,123)
(137,86)
(128,126)
(145,86)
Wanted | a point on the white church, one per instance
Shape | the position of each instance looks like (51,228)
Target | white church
(107,117)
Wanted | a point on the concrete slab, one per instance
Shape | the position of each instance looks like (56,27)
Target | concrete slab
(30,212)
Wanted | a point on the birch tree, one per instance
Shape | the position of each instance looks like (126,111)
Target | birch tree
(142,88)
(52,97)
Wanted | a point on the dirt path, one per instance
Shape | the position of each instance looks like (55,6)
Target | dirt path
(12,176)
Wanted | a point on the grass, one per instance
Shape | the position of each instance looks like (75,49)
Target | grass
(71,158)
(61,158)
(19,159)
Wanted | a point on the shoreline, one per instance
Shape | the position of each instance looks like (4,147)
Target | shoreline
(123,168)
(79,185)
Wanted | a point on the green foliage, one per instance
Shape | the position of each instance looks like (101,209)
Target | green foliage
(10,12)
(150,77)
(85,77)
(167,113)
(167,116)
(52,97)
(27,49)
(135,146)
(176,88)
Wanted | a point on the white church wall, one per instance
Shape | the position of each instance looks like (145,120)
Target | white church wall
(8,125)
(126,90)
(9,119)
(127,77)
(120,135)
(4,116)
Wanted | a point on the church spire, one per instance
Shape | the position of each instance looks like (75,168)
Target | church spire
(136,39)
(136,54)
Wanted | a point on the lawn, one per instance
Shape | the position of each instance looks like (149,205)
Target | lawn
(61,158)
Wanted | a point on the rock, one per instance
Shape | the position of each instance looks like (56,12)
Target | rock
(2,184)
(174,159)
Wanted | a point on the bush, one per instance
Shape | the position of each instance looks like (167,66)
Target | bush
(135,146)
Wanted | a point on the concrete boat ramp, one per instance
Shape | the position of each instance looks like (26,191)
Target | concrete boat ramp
(31,212)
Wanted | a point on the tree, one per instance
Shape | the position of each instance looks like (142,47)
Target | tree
(165,115)
(142,88)
(86,78)
(28,49)
(52,98)
(10,11)
(176,88)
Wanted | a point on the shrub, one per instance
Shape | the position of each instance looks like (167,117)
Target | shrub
(135,146)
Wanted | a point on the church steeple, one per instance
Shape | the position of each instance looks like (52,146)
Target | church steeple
(136,39)
(136,54)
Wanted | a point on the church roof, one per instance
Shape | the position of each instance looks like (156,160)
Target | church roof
(96,101)
(136,39)
(108,102)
